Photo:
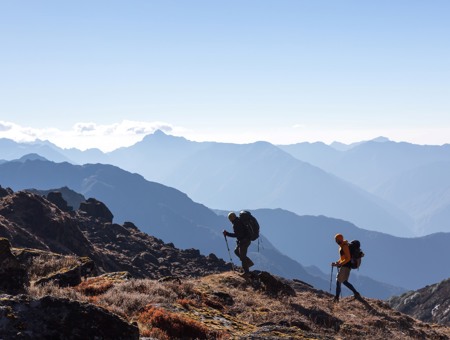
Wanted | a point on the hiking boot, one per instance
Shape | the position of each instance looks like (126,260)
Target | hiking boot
(336,299)
(356,295)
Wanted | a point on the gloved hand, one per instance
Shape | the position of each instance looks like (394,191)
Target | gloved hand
(225,233)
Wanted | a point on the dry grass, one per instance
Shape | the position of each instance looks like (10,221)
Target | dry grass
(44,265)
(94,286)
(198,308)
(51,289)
(174,325)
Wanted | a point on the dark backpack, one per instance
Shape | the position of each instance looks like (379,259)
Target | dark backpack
(251,223)
(355,253)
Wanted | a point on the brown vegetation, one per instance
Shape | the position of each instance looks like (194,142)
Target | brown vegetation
(226,306)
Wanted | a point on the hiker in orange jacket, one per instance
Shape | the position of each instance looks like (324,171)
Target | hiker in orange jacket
(343,265)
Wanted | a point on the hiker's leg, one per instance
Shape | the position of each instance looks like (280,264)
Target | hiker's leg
(350,286)
(243,247)
(343,274)
(236,250)
(338,289)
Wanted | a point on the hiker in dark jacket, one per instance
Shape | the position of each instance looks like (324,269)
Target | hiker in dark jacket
(343,265)
(240,232)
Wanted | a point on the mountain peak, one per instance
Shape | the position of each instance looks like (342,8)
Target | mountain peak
(160,135)
(381,139)
(32,157)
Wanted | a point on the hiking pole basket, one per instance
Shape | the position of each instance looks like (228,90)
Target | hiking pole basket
(229,253)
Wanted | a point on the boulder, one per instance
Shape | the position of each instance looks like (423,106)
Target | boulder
(97,209)
(13,276)
(56,318)
(57,199)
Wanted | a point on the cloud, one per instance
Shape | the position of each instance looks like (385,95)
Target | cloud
(85,135)
(5,126)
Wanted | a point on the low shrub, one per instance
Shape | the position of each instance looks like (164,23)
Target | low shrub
(174,325)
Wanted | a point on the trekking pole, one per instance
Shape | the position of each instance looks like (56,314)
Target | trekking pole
(229,253)
(331,277)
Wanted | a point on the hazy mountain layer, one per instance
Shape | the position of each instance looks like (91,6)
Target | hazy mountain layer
(394,260)
(160,211)
(414,178)
(258,175)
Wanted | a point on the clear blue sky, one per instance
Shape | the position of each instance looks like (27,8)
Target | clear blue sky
(236,71)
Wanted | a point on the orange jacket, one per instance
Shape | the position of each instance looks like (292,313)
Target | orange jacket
(344,252)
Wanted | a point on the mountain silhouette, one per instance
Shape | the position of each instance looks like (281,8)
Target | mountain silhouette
(390,259)
(160,211)
(214,174)
(68,287)
(211,173)
(414,178)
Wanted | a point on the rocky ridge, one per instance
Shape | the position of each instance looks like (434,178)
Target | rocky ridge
(429,304)
(78,273)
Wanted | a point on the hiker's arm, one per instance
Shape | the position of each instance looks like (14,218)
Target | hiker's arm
(226,233)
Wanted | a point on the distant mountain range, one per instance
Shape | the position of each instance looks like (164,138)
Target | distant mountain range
(161,211)
(251,176)
(397,188)
(414,178)
(395,260)
(409,191)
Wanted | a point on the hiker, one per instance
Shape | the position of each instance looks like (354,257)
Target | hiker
(241,233)
(343,265)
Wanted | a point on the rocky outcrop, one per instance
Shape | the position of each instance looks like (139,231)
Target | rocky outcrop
(31,221)
(5,191)
(429,304)
(97,209)
(54,318)
(13,275)
(57,199)
(70,277)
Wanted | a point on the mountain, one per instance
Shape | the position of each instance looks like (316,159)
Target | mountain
(29,220)
(212,173)
(425,193)
(372,163)
(310,241)
(158,292)
(160,211)
(414,178)
(429,304)
(216,173)
(10,150)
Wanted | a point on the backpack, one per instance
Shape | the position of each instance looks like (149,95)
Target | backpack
(251,223)
(355,253)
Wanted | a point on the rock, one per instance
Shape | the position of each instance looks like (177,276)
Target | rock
(13,276)
(72,276)
(274,286)
(5,192)
(54,318)
(97,209)
(57,199)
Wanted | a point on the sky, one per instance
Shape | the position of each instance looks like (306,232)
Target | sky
(94,73)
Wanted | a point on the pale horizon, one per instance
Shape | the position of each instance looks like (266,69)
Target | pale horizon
(107,138)
(104,74)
